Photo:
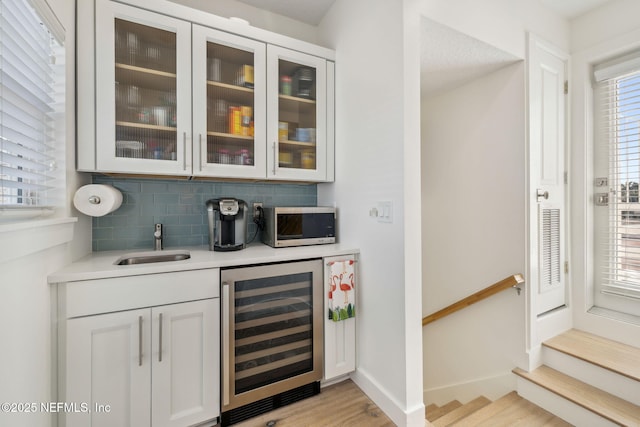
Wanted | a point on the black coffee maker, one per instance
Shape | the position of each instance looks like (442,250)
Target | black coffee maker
(227,224)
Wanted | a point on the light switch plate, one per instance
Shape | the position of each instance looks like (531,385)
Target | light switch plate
(385,211)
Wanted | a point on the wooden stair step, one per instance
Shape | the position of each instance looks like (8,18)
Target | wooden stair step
(611,355)
(442,410)
(431,407)
(511,410)
(591,398)
(489,411)
(461,412)
(523,413)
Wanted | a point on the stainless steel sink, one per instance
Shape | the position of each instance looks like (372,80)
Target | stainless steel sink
(152,257)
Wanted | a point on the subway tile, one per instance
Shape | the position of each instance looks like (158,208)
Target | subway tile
(180,207)
(105,233)
(154,186)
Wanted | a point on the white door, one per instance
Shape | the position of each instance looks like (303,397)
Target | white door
(108,363)
(143,91)
(229,105)
(547,76)
(186,363)
(297,112)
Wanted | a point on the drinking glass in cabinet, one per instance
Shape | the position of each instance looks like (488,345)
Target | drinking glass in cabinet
(297,116)
(230,105)
(145,92)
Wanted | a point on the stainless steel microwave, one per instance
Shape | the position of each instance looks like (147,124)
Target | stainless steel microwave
(299,226)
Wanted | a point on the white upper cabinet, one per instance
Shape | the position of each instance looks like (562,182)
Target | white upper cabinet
(229,105)
(297,106)
(143,91)
(170,95)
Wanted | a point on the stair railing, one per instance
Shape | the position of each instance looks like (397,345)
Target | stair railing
(513,281)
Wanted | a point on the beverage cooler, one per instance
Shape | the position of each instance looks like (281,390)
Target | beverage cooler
(271,336)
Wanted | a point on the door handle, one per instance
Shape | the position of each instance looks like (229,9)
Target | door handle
(542,194)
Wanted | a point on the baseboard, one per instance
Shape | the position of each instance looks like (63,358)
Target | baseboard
(336,380)
(492,387)
(413,417)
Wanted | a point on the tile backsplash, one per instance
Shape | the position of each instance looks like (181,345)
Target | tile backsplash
(180,207)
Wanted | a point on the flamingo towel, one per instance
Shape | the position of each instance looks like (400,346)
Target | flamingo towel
(341,296)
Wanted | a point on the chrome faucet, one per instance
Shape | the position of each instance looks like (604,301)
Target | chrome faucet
(157,234)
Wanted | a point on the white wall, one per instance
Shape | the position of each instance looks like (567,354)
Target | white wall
(473,203)
(27,356)
(607,22)
(473,356)
(377,159)
(594,39)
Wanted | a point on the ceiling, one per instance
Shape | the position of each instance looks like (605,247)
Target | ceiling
(450,59)
(312,11)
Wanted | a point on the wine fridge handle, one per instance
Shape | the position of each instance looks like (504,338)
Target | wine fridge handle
(226,304)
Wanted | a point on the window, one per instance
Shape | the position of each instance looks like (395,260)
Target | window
(32,90)
(618,160)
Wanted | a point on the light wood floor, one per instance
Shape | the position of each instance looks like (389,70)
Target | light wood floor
(342,404)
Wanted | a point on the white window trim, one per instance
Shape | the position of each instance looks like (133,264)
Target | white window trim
(585,316)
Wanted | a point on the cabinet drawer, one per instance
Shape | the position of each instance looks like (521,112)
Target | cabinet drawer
(124,293)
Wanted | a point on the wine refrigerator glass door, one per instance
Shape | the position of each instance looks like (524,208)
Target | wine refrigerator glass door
(271,329)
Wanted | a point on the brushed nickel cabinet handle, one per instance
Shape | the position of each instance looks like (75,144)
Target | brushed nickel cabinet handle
(200,150)
(160,339)
(225,343)
(184,150)
(139,340)
(274,157)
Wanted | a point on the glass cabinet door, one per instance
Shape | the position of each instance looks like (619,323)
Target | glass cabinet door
(229,104)
(143,117)
(297,115)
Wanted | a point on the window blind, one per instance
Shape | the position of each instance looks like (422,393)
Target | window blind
(31,103)
(619,92)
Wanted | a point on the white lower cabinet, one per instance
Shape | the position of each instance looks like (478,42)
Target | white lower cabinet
(339,336)
(139,350)
(186,372)
(150,367)
(105,366)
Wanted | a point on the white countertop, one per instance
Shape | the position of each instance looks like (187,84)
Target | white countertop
(101,265)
